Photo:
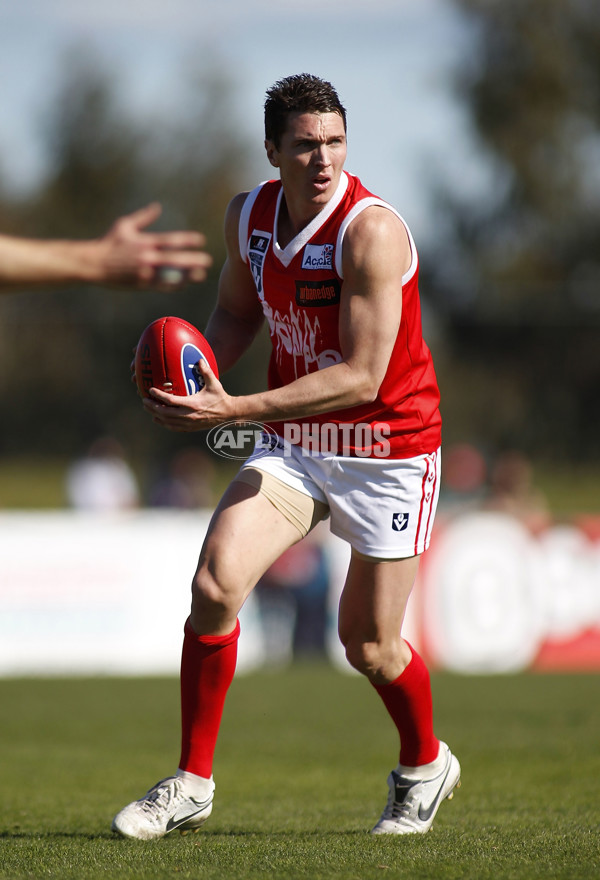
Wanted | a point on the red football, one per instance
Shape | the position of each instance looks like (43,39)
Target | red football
(167,355)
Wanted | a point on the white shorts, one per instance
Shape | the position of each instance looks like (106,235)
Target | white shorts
(383,507)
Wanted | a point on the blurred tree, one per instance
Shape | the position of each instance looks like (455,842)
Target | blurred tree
(519,277)
(64,358)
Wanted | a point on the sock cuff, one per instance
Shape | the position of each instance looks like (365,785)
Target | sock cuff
(212,641)
(200,783)
(415,669)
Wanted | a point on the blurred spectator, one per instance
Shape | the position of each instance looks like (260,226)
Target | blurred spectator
(464,477)
(292,598)
(102,480)
(512,491)
(188,483)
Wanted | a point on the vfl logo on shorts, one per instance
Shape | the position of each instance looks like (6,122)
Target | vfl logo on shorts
(400,521)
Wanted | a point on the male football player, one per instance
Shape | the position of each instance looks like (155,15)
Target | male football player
(353,398)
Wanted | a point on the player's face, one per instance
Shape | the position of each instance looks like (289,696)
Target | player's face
(310,158)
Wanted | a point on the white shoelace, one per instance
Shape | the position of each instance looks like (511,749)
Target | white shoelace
(398,809)
(164,793)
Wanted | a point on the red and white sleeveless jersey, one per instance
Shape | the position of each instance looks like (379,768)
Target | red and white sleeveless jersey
(300,287)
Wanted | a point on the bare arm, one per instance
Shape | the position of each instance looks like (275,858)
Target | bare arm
(126,255)
(376,254)
(238,315)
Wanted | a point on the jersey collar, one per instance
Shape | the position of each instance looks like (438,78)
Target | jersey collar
(286,255)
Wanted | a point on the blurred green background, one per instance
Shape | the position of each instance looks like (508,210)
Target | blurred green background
(510,275)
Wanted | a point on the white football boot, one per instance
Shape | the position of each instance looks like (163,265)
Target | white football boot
(413,802)
(174,802)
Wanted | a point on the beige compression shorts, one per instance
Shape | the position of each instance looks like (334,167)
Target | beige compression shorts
(300,509)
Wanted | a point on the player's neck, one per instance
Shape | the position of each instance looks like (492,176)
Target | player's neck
(291,223)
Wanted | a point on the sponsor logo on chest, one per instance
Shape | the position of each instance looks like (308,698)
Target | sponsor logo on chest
(318,256)
(259,242)
(318,293)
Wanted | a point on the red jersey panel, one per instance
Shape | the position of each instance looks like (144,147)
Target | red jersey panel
(300,287)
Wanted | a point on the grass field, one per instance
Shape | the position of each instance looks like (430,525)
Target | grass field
(300,770)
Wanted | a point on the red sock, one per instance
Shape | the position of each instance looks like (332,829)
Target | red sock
(408,700)
(207,669)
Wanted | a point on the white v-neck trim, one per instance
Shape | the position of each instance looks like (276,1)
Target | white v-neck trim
(286,255)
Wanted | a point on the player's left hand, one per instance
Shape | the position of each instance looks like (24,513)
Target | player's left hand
(160,260)
(197,412)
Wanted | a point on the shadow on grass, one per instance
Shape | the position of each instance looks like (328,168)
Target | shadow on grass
(55,835)
(213,835)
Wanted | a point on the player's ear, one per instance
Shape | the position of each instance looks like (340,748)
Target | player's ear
(272,153)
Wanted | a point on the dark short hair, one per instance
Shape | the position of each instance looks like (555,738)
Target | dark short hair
(302,93)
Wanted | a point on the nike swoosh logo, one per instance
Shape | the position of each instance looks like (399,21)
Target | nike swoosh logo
(426,813)
(178,819)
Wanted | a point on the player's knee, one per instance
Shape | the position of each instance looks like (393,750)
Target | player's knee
(365,657)
(379,661)
(208,594)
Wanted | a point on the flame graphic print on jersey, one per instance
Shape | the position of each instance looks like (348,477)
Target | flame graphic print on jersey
(298,337)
